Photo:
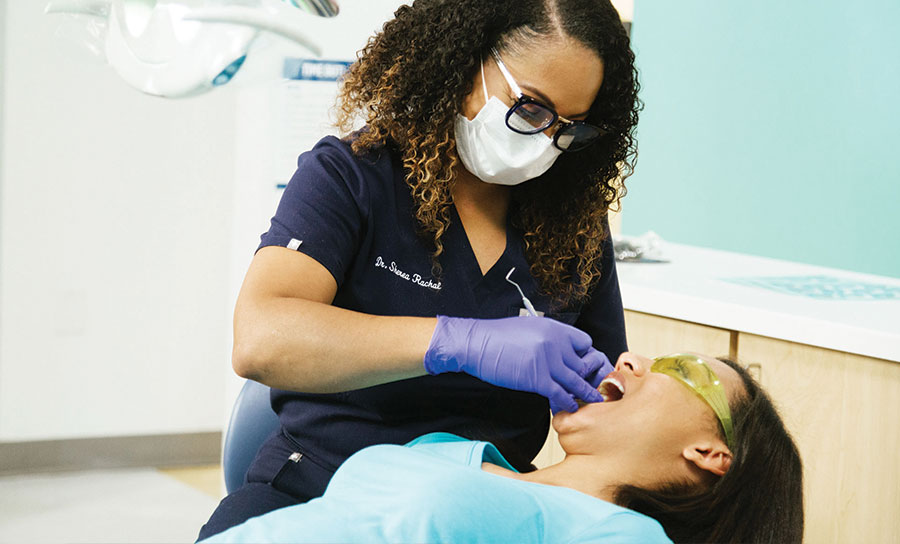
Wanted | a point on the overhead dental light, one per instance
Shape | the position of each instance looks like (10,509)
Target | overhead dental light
(179,48)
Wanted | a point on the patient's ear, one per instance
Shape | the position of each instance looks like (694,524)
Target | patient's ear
(713,456)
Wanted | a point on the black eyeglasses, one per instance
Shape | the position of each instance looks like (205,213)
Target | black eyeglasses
(528,116)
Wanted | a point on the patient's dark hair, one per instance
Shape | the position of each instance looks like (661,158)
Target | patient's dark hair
(759,499)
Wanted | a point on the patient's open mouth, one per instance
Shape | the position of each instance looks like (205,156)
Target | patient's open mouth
(611,389)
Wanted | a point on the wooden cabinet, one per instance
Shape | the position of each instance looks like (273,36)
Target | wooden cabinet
(652,336)
(844,413)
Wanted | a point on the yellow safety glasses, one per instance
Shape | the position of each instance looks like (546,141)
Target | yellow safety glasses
(696,373)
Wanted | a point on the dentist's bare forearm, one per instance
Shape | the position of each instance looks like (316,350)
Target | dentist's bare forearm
(313,347)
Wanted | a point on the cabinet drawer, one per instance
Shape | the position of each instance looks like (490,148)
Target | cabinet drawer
(652,336)
(844,413)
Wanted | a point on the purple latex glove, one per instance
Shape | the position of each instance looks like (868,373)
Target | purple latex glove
(534,354)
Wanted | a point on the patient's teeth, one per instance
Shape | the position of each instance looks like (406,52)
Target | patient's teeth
(606,388)
(616,383)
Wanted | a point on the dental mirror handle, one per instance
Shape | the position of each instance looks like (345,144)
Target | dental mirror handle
(529,307)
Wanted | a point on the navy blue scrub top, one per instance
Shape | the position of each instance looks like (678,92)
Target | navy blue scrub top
(355,216)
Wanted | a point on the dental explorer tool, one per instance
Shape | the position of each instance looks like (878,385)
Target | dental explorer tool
(528,305)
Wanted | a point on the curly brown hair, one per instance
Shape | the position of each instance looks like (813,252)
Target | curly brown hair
(409,83)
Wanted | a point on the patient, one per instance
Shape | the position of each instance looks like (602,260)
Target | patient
(685,447)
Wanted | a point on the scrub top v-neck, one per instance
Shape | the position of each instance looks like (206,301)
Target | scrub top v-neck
(355,215)
(467,267)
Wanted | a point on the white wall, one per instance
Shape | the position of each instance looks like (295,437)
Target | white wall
(114,241)
(625,9)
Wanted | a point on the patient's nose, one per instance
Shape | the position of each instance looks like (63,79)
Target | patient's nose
(633,363)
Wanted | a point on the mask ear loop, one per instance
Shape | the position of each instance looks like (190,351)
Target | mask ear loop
(483,84)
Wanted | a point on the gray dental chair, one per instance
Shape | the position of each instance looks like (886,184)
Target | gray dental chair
(252,421)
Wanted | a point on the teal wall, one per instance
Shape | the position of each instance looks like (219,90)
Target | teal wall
(771,128)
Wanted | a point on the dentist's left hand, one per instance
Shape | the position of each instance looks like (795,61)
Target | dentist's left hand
(534,354)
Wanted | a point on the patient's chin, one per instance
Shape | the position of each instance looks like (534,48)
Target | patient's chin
(567,421)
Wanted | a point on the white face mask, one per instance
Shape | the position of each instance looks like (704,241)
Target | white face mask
(494,153)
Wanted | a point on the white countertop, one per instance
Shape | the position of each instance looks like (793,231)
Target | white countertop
(694,287)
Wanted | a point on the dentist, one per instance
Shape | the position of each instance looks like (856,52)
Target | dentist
(377,306)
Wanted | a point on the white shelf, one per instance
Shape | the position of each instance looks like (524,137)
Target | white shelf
(693,287)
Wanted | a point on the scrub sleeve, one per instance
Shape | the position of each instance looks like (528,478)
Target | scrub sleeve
(355,215)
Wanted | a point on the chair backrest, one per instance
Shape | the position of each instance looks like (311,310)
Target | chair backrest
(252,421)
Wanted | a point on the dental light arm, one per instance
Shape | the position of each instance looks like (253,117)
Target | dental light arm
(288,26)
(180,48)
(95,8)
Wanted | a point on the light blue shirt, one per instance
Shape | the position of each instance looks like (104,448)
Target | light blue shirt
(433,490)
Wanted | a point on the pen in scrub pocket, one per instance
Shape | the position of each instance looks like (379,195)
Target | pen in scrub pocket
(528,305)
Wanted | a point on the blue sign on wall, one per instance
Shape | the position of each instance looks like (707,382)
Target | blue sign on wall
(822,287)
(315,70)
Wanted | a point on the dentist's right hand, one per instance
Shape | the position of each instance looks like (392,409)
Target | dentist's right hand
(534,354)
